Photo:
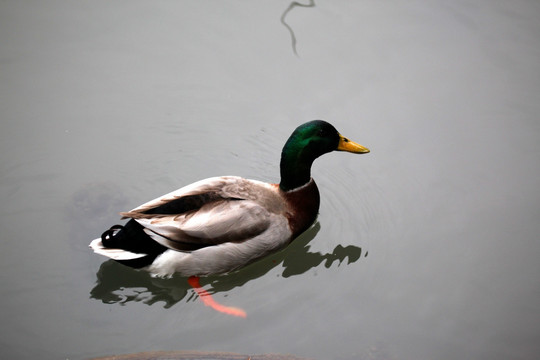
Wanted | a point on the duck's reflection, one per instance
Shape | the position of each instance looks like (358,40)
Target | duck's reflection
(120,284)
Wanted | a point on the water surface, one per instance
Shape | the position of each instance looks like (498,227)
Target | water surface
(426,248)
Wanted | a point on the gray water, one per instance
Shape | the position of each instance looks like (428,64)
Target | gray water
(426,248)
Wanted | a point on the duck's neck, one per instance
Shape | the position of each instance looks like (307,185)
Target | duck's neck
(295,167)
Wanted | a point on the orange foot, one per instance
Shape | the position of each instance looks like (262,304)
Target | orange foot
(208,300)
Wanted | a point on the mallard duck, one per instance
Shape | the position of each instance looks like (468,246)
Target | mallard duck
(221,224)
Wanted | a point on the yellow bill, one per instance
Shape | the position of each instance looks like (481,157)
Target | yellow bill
(350,146)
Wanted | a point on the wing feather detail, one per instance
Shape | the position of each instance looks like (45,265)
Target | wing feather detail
(210,212)
(188,198)
(216,223)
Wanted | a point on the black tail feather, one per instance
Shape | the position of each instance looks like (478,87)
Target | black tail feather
(131,237)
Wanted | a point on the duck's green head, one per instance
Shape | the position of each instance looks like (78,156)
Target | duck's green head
(308,142)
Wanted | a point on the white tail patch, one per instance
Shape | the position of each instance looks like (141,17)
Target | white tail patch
(115,254)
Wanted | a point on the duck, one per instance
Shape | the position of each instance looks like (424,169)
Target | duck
(221,224)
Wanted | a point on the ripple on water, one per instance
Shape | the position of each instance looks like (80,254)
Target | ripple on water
(354,211)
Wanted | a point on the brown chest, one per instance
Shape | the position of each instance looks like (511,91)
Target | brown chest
(302,207)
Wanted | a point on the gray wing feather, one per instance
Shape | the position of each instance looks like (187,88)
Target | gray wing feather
(216,223)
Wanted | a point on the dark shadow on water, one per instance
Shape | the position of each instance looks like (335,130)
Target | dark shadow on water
(118,284)
(289,28)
